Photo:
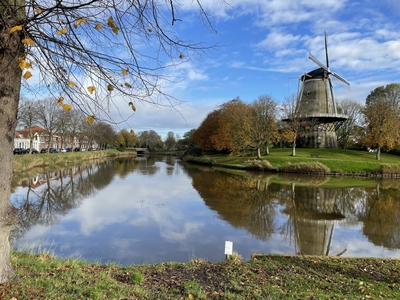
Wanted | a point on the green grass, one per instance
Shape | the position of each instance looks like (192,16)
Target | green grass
(341,161)
(42,276)
(26,162)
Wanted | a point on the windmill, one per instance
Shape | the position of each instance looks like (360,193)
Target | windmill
(316,103)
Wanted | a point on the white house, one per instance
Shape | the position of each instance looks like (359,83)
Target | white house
(41,140)
(21,139)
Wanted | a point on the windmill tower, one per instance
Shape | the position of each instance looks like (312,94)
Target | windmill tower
(317,104)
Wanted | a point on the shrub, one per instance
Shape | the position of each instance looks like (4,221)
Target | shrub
(194,151)
(305,168)
(258,164)
(198,159)
(387,169)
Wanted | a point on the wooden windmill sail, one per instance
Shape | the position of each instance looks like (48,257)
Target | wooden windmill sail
(316,102)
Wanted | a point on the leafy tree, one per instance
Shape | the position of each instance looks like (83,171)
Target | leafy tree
(119,140)
(207,128)
(170,141)
(347,132)
(149,139)
(231,133)
(84,54)
(382,117)
(263,125)
(187,139)
(126,139)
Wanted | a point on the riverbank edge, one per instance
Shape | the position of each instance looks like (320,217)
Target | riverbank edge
(264,276)
(302,168)
(29,162)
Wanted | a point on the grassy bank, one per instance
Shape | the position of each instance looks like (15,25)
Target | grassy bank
(266,277)
(320,160)
(26,162)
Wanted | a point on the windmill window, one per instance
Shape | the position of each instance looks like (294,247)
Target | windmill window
(308,93)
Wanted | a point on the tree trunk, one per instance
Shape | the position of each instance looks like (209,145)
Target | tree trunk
(9,216)
(258,153)
(378,153)
(266,149)
(294,145)
(11,49)
(294,149)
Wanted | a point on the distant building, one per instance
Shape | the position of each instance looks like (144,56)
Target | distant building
(40,139)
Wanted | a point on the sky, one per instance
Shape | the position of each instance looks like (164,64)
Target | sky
(263,48)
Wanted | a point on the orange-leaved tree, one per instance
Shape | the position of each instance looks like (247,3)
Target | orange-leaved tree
(232,123)
(85,54)
(382,118)
(207,128)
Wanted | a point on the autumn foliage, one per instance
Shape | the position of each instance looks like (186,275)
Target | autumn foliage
(237,126)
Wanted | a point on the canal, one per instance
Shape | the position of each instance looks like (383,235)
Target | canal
(158,209)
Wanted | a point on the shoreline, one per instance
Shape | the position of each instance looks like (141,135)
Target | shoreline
(42,276)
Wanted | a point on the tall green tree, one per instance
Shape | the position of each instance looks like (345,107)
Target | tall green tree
(187,139)
(149,139)
(170,140)
(84,53)
(382,118)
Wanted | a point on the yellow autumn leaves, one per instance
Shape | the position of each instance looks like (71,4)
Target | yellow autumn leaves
(24,64)
(111,24)
(68,107)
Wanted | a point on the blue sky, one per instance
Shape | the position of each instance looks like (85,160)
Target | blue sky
(264,50)
(264,47)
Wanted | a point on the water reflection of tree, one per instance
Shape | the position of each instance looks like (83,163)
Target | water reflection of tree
(243,202)
(52,194)
(146,165)
(125,166)
(380,216)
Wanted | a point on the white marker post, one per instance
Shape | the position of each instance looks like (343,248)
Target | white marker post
(228,248)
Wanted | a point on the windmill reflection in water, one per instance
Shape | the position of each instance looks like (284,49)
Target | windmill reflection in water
(314,214)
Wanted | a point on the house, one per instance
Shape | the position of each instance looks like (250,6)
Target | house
(40,139)
(21,139)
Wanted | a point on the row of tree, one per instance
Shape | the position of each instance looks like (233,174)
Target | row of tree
(72,126)
(238,126)
(152,140)
(67,124)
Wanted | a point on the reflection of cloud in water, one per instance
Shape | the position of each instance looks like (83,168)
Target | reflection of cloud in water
(131,202)
(360,246)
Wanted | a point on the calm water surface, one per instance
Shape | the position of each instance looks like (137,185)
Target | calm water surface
(158,209)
